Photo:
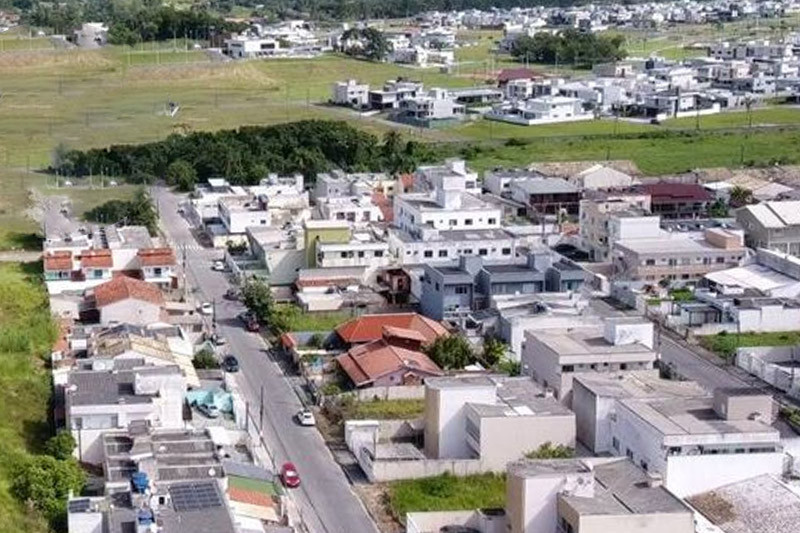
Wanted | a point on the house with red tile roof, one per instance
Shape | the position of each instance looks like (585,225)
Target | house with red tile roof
(678,200)
(396,358)
(368,328)
(125,300)
(157,265)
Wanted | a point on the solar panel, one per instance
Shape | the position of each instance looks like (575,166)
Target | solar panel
(78,506)
(194,496)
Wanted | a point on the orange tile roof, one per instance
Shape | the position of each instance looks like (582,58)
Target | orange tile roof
(156,256)
(123,287)
(403,333)
(384,204)
(61,260)
(368,328)
(97,259)
(369,362)
(250,497)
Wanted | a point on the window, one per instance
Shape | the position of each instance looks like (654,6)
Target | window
(568,368)
(615,443)
(157,272)
(461,289)
(673,262)
(428,253)
(378,253)
(343,254)
(361,253)
(720,259)
(644,465)
(467,221)
(437,286)
(97,273)
(482,251)
(467,251)
(506,251)
(650,262)
(492,221)
(453,222)
(629,453)
(442,253)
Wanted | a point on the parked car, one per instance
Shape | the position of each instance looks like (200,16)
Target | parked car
(250,321)
(218,265)
(230,364)
(289,476)
(208,409)
(306,418)
(218,340)
(207,308)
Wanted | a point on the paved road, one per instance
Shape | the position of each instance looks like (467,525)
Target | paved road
(691,366)
(325,499)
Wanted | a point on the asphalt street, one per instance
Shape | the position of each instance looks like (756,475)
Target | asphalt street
(325,498)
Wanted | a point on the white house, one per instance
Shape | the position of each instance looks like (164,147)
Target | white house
(542,110)
(350,93)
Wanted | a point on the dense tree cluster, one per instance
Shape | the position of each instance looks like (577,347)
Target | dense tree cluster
(570,47)
(139,211)
(247,154)
(368,43)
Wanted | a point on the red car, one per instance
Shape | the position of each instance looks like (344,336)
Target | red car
(289,476)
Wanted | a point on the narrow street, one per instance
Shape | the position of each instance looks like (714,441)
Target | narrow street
(325,499)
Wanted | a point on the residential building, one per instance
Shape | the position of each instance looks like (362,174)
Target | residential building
(263,208)
(237,213)
(496,419)
(586,496)
(520,89)
(499,181)
(761,504)
(318,232)
(772,225)
(609,216)
(678,256)
(358,209)
(158,266)
(678,200)
(99,401)
(547,196)
(541,110)
(361,251)
(394,92)
(599,177)
(455,292)
(448,175)
(448,246)
(554,357)
(595,395)
(369,328)
(338,183)
(124,300)
(429,108)
(691,442)
(773,274)
(394,359)
(250,46)
(351,93)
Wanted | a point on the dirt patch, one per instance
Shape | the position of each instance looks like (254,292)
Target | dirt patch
(376,500)
(567,169)
(53,59)
(230,74)
(752,178)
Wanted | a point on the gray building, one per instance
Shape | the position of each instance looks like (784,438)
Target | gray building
(452,292)
(772,225)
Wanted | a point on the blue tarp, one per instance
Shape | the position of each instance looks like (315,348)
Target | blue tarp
(220,398)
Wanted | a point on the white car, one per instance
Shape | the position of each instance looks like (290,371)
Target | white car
(218,266)
(208,409)
(207,308)
(306,418)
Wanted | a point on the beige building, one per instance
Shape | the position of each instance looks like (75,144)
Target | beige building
(554,357)
(597,210)
(678,256)
(603,496)
(494,419)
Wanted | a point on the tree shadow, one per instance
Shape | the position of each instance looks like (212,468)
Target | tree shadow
(28,241)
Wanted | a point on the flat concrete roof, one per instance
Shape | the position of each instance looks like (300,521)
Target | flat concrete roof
(585,341)
(638,384)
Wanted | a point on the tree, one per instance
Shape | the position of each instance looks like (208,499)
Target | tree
(740,197)
(718,209)
(46,482)
(181,175)
(205,359)
(451,352)
(548,451)
(494,350)
(139,210)
(257,297)
(368,43)
(61,445)
(569,47)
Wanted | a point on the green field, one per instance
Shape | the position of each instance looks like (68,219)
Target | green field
(389,409)
(446,493)
(725,345)
(26,335)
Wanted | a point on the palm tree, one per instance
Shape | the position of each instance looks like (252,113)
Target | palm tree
(740,196)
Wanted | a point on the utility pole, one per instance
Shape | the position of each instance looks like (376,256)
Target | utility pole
(261,414)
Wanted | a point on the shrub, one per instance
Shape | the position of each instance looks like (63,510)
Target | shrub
(205,359)
(61,445)
(45,482)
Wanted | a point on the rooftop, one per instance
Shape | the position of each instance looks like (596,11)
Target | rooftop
(672,243)
(87,387)
(586,341)
(123,287)
(776,214)
(519,397)
(757,505)
(637,385)
(367,328)
(546,186)
(668,192)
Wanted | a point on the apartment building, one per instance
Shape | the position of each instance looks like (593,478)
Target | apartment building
(698,444)
(609,216)
(585,496)
(546,196)
(447,246)
(98,401)
(678,256)
(772,225)
(359,209)
(678,200)
(553,358)
(494,419)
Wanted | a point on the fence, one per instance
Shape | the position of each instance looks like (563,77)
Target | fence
(406,392)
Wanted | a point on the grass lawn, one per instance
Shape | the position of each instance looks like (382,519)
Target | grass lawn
(446,493)
(657,155)
(302,321)
(389,409)
(725,345)
(26,334)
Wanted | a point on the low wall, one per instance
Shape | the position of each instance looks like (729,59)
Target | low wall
(381,471)
(434,521)
(407,392)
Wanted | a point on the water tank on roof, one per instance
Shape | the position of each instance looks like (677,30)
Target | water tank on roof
(140,482)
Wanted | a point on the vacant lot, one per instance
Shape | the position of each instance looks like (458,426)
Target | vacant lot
(26,335)
(726,344)
(446,493)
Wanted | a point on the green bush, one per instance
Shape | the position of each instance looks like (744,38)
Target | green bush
(45,482)
(61,445)
(548,451)
(205,360)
